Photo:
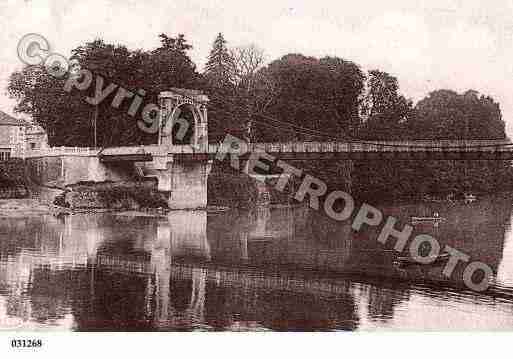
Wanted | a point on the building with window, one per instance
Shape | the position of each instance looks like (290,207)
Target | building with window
(12,136)
(36,137)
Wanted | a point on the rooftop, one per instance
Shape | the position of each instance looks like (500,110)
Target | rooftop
(7,120)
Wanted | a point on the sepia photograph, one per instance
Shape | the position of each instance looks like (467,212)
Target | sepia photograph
(238,166)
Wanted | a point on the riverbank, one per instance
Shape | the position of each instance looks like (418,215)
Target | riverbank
(27,207)
(13,182)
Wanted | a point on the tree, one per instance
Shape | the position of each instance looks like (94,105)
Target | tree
(295,97)
(67,117)
(384,110)
(313,99)
(219,66)
(220,84)
(246,61)
(170,66)
(445,114)
(253,89)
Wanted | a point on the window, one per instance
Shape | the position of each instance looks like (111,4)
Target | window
(5,155)
(32,145)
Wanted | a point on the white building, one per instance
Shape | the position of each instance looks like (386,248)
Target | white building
(35,138)
(12,136)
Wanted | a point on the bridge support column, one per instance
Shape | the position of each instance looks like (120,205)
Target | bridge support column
(265,192)
(189,234)
(189,184)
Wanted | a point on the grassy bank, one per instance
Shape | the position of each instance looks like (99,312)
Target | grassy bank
(114,195)
(12,179)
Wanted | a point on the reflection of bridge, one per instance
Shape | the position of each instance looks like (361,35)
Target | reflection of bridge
(182,167)
(177,269)
(169,261)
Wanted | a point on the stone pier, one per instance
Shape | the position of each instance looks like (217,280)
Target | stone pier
(188,184)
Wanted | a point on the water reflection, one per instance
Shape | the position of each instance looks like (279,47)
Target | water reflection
(266,269)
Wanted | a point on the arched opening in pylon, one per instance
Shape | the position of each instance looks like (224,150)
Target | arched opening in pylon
(185,120)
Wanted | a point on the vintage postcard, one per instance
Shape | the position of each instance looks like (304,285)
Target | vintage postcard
(269,166)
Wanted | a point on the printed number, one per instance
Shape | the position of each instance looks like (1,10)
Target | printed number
(26,343)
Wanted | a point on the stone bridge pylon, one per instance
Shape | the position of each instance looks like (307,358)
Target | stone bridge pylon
(183,122)
(183,118)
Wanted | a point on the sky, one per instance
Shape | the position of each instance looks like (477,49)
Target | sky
(427,45)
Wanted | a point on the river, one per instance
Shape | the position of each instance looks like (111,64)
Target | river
(284,269)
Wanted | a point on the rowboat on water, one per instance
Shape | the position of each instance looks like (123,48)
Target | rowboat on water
(435,218)
(469,198)
(427,219)
(404,261)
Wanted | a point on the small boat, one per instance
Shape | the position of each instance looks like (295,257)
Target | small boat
(469,198)
(435,218)
(434,199)
(405,261)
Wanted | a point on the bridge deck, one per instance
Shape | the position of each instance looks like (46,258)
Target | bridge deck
(391,150)
(420,150)
(142,157)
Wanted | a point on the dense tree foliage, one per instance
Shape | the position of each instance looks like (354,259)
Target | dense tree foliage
(240,90)
(253,87)
(68,118)
(220,87)
(384,111)
(443,114)
(295,97)
(313,99)
(219,67)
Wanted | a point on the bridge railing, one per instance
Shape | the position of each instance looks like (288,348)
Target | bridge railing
(60,151)
(374,146)
(385,146)
(291,147)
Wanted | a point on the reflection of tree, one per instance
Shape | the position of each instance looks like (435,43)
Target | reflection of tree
(477,230)
(281,236)
(119,303)
(188,270)
(279,301)
(118,290)
(35,252)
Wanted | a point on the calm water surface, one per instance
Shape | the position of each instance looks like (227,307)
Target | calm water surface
(265,269)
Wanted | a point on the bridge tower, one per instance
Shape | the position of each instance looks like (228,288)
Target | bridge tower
(174,125)
(183,122)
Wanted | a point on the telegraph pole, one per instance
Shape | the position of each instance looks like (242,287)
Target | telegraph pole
(95,119)
(94,66)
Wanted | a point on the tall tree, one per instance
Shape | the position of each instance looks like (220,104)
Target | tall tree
(254,89)
(384,111)
(219,67)
(445,114)
(220,83)
(314,99)
(68,118)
